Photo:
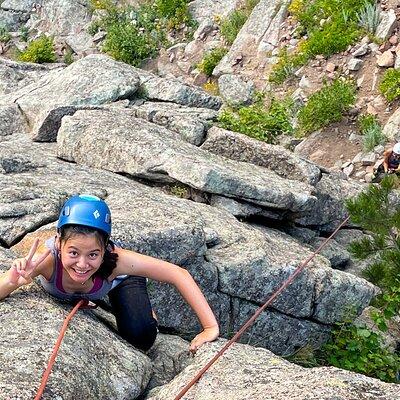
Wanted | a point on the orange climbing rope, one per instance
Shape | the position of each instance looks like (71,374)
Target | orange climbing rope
(53,356)
(240,332)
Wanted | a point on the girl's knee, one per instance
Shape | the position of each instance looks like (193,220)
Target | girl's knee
(142,338)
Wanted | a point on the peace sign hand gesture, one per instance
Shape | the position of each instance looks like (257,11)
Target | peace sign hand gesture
(22,268)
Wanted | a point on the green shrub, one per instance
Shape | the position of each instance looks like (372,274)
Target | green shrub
(339,30)
(390,84)
(24,34)
(332,38)
(286,66)
(371,130)
(211,60)
(69,57)
(258,123)
(133,35)
(39,51)
(389,306)
(310,13)
(176,12)
(366,121)
(231,26)
(326,106)
(359,349)
(4,34)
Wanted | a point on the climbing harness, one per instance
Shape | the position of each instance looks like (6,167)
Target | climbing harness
(285,284)
(45,377)
(274,295)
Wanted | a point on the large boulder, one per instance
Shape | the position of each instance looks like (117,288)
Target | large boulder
(85,83)
(259,34)
(60,18)
(190,122)
(239,147)
(117,141)
(16,75)
(245,372)
(173,90)
(329,211)
(12,120)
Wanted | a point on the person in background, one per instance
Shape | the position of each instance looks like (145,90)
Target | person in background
(390,163)
(82,262)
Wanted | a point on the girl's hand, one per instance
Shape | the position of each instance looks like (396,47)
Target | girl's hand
(22,268)
(208,335)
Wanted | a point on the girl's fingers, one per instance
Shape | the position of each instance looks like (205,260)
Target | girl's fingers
(32,251)
(42,257)
(34,263)
(14,275)
(20,264)
(208,335)
(195,344)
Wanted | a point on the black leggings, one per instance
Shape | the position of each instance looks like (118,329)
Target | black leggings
(132,309)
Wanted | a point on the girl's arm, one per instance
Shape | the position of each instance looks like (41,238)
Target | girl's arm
(132,263)
(386,156)
(23,270)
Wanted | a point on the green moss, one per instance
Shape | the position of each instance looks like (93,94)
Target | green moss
(39,51)
(326,106)
(390,84)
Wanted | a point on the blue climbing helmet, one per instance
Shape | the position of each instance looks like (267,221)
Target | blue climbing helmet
(86,210)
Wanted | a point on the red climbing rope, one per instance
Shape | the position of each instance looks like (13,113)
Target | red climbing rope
(284,285)
(53,356)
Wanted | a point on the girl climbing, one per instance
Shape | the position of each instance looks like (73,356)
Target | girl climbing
(82,262)
(389,165)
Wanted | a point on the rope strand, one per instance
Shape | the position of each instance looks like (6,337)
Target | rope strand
(285,284)
(53,356)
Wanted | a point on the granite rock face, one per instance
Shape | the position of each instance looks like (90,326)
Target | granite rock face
(259,375)
(126,144)
(134,153)
(84,83)
(214,246)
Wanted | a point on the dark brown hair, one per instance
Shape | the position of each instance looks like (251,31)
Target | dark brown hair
(109,260)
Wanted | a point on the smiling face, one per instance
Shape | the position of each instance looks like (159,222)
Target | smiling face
(81,256)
